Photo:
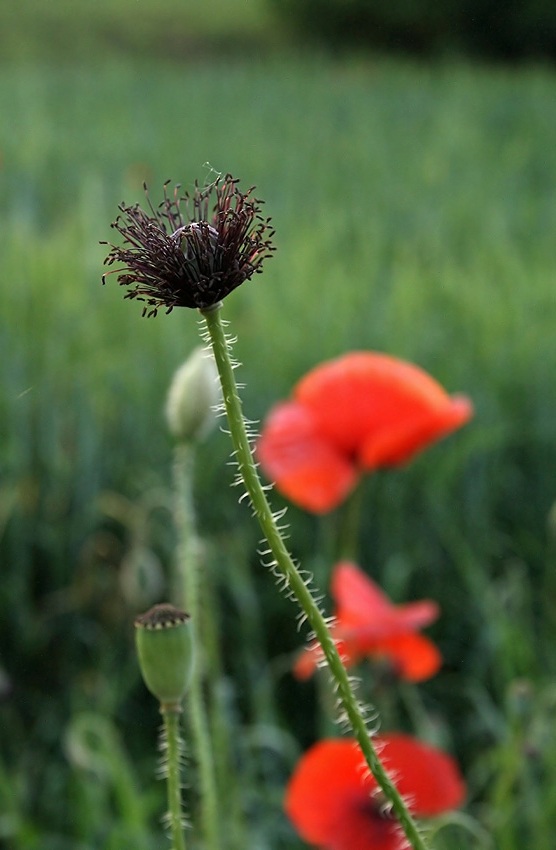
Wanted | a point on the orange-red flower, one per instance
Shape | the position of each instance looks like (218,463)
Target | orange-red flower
(356,413)
(367,624)
(333,802)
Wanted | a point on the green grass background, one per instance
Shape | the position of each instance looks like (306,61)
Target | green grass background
(415,213)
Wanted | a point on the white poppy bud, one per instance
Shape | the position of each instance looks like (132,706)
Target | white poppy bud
(193,394)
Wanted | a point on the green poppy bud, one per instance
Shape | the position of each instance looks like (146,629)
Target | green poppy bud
(164,642)
(193,393)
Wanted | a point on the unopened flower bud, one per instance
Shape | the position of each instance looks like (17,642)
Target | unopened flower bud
(164,642)
(193,393)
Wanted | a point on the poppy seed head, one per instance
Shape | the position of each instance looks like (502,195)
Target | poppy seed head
(193,249)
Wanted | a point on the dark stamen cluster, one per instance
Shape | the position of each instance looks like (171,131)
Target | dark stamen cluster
(193,250)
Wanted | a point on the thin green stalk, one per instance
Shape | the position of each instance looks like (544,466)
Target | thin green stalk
(292,577)
(231,809)
(185,585)
(187,592)
(171,720)
(348,548)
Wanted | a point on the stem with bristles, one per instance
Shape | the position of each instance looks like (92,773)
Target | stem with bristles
(171,718)
(287,569)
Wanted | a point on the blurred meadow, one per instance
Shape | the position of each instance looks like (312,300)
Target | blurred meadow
(415,213)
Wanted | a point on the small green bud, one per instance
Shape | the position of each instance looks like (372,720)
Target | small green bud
(164,642)
(193,393)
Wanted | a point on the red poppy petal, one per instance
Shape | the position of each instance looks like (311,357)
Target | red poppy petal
(306,469)
(427,778)
(312,657)
(307,662)
(321,788)
(329,800)
(358,599)
(398,444)
(414,657)
(378,407)
(398,622)
(416,615)
(361,603)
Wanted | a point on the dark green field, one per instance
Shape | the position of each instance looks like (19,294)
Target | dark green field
(415,213)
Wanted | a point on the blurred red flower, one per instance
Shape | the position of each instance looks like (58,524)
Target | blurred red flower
(333,803)
(367,624)
(356,413)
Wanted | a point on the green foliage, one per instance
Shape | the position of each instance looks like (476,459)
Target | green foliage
(494,28)
(61,30)
(415,213)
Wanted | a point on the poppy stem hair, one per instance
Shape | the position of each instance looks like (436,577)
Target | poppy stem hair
(285,567)
(171,739)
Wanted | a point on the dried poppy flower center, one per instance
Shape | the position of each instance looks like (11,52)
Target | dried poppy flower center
(196,233)
(170,263)
(198,241)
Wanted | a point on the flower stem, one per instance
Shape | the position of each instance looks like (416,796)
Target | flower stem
(187,591)
(171,719)
(295,582)
(185,581)
(350,524)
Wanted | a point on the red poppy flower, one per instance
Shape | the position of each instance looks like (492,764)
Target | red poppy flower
(332,801)
(357,413)
(367,624)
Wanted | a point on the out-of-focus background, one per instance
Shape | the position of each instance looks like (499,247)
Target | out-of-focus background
(407,155)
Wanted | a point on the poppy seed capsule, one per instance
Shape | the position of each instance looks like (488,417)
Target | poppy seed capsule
(164,642)
(199,243)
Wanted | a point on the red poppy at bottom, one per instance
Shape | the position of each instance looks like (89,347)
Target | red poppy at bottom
(332,801)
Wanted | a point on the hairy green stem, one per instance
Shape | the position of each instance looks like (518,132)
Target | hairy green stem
(295,582)
(187,593)
(171,720)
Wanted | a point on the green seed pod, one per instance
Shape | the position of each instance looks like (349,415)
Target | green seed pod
(193,394)
(164,642)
